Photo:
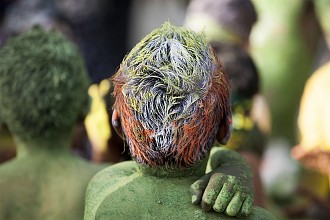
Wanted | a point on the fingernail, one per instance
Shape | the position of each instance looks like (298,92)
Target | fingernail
(193,199)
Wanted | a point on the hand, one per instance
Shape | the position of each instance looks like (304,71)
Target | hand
(224,193)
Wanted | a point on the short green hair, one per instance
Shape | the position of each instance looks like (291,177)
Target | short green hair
(43,84)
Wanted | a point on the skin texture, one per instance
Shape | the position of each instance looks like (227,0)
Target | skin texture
(228,187)
(124,191)
(43,91)
(172,102)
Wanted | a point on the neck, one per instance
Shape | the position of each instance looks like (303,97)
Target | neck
(171,171)
(44,146)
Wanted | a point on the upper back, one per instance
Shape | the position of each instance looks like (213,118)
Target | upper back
(127,193)
(123,192)
(44,188)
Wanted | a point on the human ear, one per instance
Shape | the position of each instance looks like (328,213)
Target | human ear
(224,131)
(115,121)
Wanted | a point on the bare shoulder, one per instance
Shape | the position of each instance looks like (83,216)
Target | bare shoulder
(103,183)
(122,169)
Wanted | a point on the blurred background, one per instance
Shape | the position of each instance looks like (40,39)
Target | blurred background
(288,41)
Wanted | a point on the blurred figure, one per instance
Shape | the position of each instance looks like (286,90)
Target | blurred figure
(313,150)
(284,45)
(105,144)
(43,87)
(226,21)
(97,120)
(146,15)
(99,29)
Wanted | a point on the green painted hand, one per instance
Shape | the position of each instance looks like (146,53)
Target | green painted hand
(228,188)
(224,193)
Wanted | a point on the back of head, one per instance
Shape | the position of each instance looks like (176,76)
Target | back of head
(171,94)
(43,85)
(235,17)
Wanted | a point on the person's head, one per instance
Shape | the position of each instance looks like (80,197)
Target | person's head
(43,85)
(172,98)
(228,21)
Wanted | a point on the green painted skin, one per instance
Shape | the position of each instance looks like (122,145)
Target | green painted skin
(158,187)
(48,184)
(43,88)
(127,191)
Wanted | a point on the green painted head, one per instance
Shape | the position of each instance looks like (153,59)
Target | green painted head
(43,84)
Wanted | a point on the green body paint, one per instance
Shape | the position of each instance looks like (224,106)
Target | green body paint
(178,66)
(43,89)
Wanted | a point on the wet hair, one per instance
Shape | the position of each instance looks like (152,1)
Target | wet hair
(241,70)
(172,95)
(43,84)
(238,16)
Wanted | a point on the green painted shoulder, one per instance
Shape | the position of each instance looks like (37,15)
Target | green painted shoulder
(103,183)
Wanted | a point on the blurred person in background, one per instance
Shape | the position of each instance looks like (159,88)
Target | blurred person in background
(99,28)
(226,21)
(43,87)
(313,150)
(288,42)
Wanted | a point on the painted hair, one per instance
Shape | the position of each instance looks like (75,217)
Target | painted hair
(43,84)
(171,94)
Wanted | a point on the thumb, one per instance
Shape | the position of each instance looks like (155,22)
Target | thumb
(197,189)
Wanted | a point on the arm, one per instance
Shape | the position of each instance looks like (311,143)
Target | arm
(228,188)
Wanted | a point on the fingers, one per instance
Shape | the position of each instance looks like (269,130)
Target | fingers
(235,204)
(247,206)
(212,191)
(224,193)
(197,189)
(224,197)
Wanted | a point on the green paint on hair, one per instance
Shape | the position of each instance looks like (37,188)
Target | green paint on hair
(43,84)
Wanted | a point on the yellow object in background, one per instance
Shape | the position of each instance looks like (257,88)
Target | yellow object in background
(314,115)
(97,120)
